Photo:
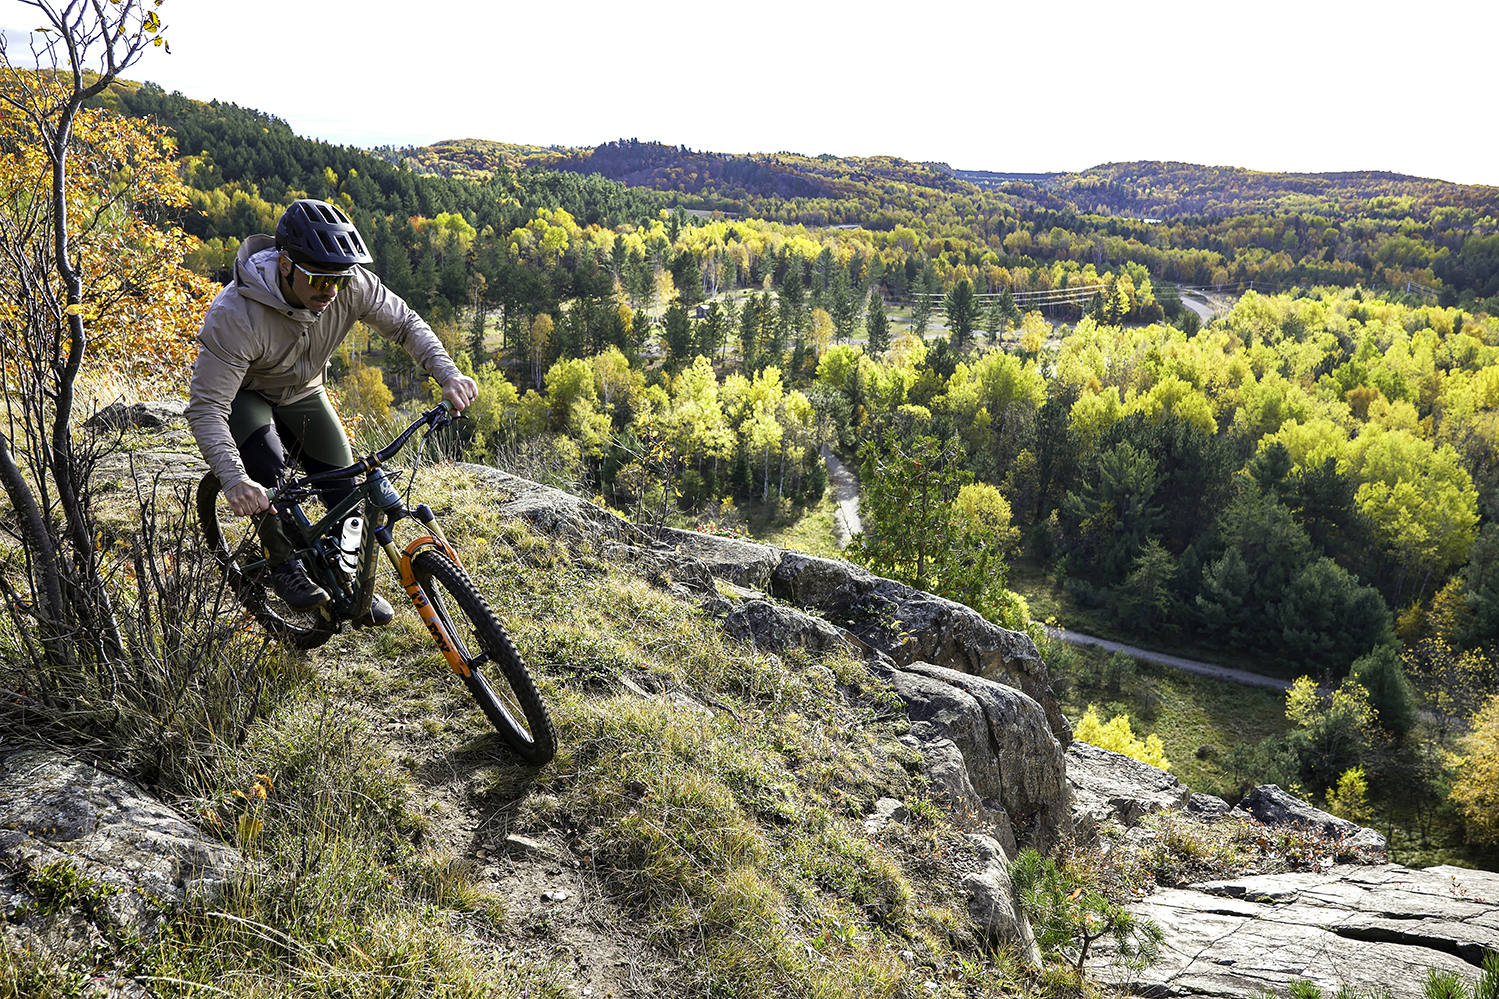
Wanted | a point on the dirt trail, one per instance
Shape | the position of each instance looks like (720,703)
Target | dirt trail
(556,911)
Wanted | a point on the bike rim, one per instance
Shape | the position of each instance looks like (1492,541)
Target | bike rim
(489,672)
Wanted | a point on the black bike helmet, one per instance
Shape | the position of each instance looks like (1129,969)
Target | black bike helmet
(317,233)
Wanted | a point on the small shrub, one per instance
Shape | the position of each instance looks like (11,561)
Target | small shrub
(1119,672)
(1117,735)
(1350,799)
(59,885)
(1070,914)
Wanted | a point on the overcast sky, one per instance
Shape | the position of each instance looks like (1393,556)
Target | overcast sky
(1310,85)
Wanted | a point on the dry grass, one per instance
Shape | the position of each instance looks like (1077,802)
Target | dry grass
(714,794)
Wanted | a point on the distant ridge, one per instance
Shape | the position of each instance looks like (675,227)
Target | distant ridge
(881,192)
(991,178)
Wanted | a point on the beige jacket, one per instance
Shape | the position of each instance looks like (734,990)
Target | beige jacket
(252,338)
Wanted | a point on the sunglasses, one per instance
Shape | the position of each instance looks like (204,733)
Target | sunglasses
(322,282)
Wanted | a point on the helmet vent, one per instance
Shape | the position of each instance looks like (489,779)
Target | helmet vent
(316,232)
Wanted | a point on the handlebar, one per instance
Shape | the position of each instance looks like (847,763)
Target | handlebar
(438,416)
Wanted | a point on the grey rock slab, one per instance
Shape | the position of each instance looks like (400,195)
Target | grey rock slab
(1109,786)
(886,811)
(911,626)
(1207,807)
(1367,927)
(943,764)
(744,563)
(53,808)
(1014,764)
(992,904)
(776,627)
(144,415)
(554,512)
(1271,806)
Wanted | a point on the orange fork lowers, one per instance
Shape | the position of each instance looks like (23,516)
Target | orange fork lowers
(402,562)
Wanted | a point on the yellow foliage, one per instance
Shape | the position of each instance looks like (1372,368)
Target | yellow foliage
(365,393)
(1117,735)
(821,332)
(538,344)
(1475,790)
(1093,413)
(984,510)
(1350,799)
(141,308)
(1305,702)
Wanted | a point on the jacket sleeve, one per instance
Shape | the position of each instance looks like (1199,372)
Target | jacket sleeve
(398,322)
(218,374)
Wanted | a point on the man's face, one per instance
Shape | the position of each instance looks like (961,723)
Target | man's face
(309,289)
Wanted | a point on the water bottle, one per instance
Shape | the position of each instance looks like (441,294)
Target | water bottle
(348,544)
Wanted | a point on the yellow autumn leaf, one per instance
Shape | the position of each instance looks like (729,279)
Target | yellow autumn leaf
(249,828)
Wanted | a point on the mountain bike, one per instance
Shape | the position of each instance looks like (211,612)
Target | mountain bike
(340,551)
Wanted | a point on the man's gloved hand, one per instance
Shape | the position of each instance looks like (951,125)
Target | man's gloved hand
(247,497)
(461,391)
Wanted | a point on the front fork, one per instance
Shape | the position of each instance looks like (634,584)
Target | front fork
(401,561)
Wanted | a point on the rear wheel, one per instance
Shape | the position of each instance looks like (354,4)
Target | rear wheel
(235,543)
(498,678)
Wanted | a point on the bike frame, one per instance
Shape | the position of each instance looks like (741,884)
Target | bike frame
(382,509)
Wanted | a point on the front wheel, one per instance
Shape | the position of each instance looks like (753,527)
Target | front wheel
(235,543)
(498,677)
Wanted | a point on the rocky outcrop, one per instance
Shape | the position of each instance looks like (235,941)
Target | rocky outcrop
(1371,928)
(84,855)
(992,903)
(1012,778)
(773,626)
(890,618)
(986,746)
(1207,807)
(1111,787)
(1271,806)
(141,415)
(911,626)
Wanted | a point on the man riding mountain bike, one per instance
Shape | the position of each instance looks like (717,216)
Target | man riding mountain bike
(257,400)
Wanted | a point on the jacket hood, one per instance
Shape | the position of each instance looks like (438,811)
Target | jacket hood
(255,267)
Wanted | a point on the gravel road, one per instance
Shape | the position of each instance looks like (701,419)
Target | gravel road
(1185,665)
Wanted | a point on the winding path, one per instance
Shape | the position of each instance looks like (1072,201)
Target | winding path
(1239,676)
(846,489)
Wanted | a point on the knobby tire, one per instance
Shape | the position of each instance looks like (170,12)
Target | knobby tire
(516,711)
(296,629)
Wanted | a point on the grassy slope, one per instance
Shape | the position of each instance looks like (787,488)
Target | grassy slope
(1197,718)
(703,819)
